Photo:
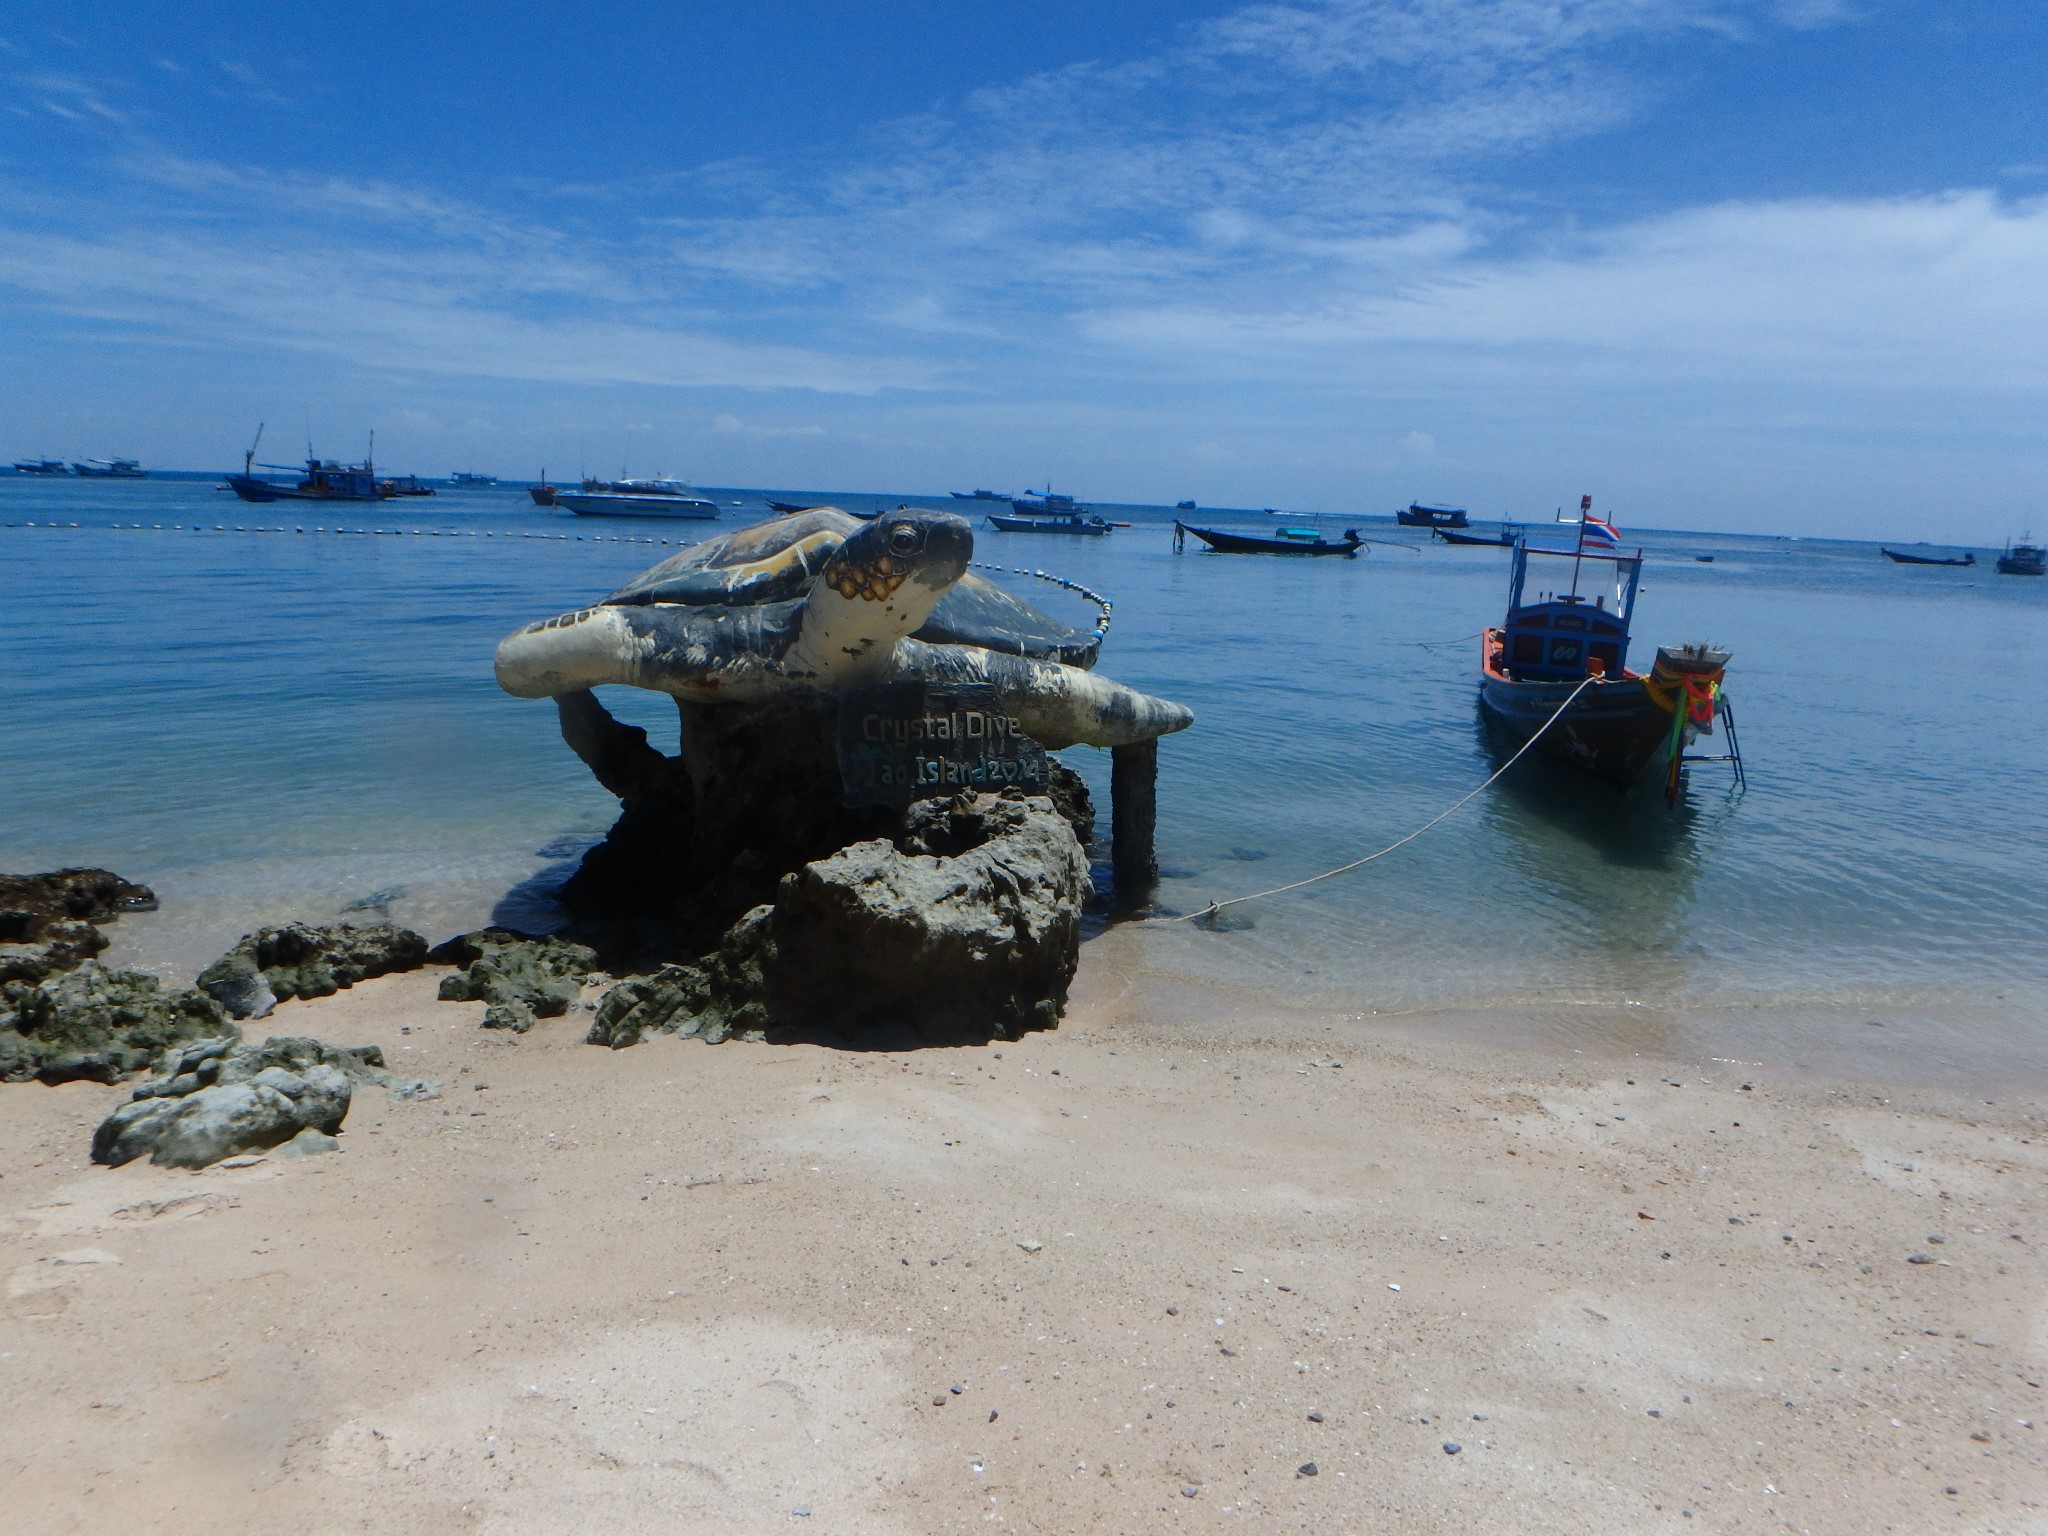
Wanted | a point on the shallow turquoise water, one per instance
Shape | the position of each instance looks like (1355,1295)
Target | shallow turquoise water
(285,723)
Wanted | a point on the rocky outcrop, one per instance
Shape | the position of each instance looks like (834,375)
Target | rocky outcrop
(220,1098)
(28,903)
(964,924)
(521,977)
(46,924)
(99,1024)
(297,960)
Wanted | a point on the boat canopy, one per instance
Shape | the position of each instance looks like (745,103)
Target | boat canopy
(1561,636)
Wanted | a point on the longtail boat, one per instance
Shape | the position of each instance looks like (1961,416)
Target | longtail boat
(1621,726)
(1281,541)
(1505,539)
(1900,558)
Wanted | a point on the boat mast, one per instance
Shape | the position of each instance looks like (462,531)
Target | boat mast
(249,458)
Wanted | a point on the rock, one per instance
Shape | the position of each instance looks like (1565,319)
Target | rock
(29,903)
(1451,1447)
(309,1143)
(46,925)
(1306,1469)
(1315,1418)
(99,1024)
(516,1017)
(221,1098)
(522,977)
(1919,1258)
(1030,1244)
(967,923)
(274,965)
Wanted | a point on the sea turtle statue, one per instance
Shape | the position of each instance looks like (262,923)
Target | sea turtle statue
(806,606)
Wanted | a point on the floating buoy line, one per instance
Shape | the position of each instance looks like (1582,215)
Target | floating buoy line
(1104,607)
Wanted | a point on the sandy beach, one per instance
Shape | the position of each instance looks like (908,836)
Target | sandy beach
(1168,1268)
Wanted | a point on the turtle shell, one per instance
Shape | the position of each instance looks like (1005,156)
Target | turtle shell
(776,561)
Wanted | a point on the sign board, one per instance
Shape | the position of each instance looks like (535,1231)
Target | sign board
(900,742)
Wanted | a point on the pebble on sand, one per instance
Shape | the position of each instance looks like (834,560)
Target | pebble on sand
(1030,1244)
(1451,1447)
(1306,1469)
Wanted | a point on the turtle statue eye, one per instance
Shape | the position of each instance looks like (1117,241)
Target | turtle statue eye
(906,539)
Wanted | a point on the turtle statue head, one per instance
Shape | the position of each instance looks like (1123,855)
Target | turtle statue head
(880,586)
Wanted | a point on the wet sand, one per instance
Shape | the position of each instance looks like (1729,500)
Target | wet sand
(1140,1274)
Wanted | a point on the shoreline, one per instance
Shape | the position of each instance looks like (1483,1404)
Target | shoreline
(701,1288)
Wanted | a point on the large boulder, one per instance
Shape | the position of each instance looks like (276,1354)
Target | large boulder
(521,977)
(99,1024)
(222,1097)
(966,923)
(297,960)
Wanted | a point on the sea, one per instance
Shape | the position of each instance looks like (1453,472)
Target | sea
(263,718)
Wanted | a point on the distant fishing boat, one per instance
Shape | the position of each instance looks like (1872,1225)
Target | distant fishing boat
(469,477)
(637,498)
(1416,515)
(110,469)
(320,480)
(1184,506)
(1279,541)
(1509,533)
(979,496)
(2025,558)
(1622,726)
(1031,503)
(39,466)
(407,485)
(543,494)
(1089,523)
(1905,559)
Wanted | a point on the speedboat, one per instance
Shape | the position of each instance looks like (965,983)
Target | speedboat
(637,498)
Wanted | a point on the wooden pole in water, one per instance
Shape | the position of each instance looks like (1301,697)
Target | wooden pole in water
(1134,814)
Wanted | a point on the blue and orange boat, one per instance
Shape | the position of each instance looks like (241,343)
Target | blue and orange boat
(1563,656)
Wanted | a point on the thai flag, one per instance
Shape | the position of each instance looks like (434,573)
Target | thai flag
(1598,533)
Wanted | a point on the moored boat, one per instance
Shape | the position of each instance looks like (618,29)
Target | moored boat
(1416,515)
(979,496)
(637,498)
(470,477)
(2025,558)
(1505,539)
(1900,557)
(320,480)
(407,485)
(1563,656)
(1081,522)
(1278,541)
(543,494)
(110,469)
(39,466)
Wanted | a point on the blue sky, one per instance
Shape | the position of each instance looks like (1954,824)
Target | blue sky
(1742,264)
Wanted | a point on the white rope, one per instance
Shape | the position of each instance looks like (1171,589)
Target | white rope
(1215,907)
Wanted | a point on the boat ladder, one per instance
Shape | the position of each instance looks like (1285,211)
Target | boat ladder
(1733,756)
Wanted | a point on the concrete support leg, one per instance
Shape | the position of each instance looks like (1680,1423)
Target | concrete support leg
(1134,814)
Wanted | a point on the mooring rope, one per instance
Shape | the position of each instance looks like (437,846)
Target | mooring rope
(1103,605)
(1216,907)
